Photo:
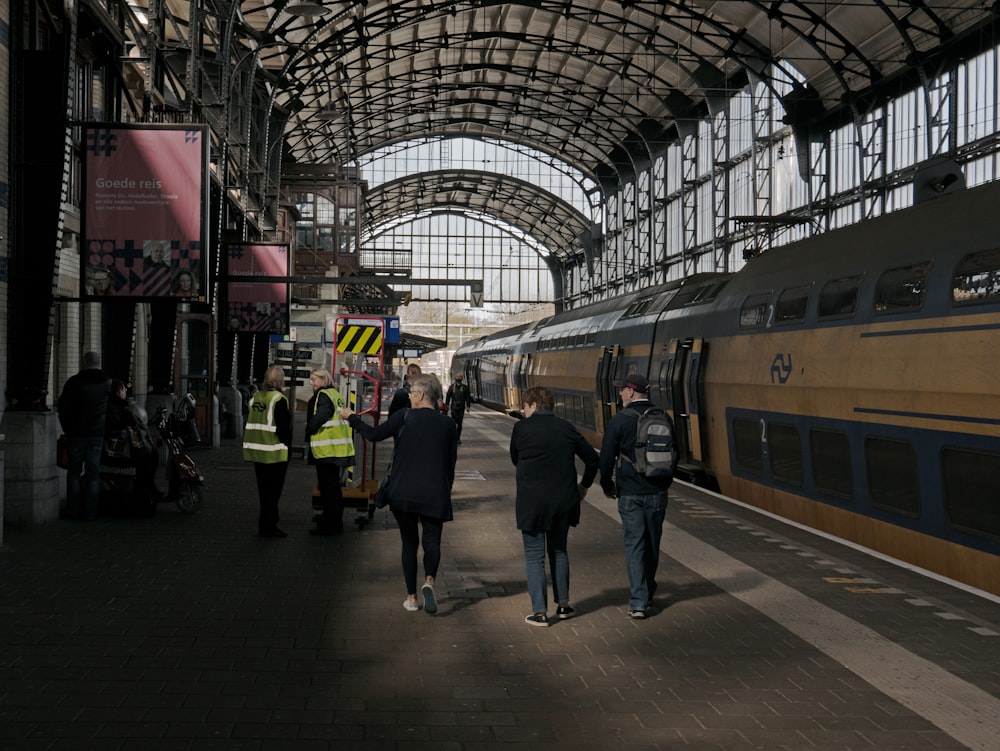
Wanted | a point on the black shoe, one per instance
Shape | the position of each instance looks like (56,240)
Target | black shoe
(564,612)
(537,619)
(637,614)
(273,533)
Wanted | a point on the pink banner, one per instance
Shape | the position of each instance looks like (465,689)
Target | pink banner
(144,211)
(261,306)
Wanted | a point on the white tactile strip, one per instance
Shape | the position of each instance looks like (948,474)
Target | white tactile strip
(964,711)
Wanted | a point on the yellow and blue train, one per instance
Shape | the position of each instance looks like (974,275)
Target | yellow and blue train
(849,382)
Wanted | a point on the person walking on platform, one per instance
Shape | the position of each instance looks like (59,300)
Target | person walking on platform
(331,449)
(401,399)
(642,505)
(82,409)
(544,449)
(459,397)
(425,449)
(266,439)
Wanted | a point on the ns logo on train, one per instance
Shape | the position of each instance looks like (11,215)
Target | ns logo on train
(781,367)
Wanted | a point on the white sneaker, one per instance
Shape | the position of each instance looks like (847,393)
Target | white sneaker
(410,605)
(430,603)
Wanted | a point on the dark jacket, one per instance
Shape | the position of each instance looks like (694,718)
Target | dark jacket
(83,404)
(459,397)
(423,459)
(544,449)
(401,399)
(619,438)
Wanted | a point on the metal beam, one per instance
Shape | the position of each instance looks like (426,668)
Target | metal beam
(352,280)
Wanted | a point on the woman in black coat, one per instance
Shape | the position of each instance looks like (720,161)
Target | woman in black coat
(419,485)
(544,449)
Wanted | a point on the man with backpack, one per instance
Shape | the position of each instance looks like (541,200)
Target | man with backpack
(637,462)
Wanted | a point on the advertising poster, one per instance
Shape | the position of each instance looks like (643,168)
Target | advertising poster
(145,206)
(258,306)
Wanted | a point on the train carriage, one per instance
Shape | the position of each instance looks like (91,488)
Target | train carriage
(850,382)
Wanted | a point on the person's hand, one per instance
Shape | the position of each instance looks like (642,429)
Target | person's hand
(582,490)
(345,413)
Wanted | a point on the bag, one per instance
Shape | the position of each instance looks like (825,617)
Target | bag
(655,451)
(62,452)
(118,445)
(139,447)
(382,494)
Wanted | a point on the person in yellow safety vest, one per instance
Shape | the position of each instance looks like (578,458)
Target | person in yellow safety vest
(266,439)
(331,449)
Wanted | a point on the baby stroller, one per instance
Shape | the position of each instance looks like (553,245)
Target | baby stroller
(177,430)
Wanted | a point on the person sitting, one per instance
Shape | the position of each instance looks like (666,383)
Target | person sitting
(122,422)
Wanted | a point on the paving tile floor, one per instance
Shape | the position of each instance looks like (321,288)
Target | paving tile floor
(188,632)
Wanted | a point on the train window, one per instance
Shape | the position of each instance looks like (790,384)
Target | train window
(746,445)
(839,297)
(830,451)
(753,314)
(785,451)
(977,279)
(892,475)
(902,288)
(791,304)
(970,480)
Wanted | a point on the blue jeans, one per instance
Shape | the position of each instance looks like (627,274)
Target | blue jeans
(83,493)
(535,543)
(642,527)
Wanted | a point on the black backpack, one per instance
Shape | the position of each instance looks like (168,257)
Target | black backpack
(655,450)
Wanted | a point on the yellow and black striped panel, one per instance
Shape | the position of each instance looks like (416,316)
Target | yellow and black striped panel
(359,339)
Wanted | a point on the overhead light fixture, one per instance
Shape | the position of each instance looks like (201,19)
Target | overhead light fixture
(307,9)
(327,112)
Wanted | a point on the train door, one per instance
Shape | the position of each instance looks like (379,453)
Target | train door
(683,395)
(607,368)
(472,378)
(522,380)
(674,394)
(512,371)
(692,400)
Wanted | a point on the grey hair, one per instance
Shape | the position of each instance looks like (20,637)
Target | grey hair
(429,384)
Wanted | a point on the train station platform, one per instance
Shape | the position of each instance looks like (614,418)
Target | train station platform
(189,633)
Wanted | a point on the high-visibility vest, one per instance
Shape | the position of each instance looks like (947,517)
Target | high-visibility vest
(335,438)
(260,436)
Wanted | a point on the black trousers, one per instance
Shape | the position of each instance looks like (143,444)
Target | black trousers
(270,482)
(331,497)
(458,415)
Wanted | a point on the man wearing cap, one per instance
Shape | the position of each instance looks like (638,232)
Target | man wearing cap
(458,397)
(641,505)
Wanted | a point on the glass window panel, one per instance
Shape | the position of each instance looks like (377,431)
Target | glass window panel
(892,475)
(746,442)
(902,289)
(785,452)
(972,490)
(830,451)
(839,297)
(791,305)
(977,278)
(753,314)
